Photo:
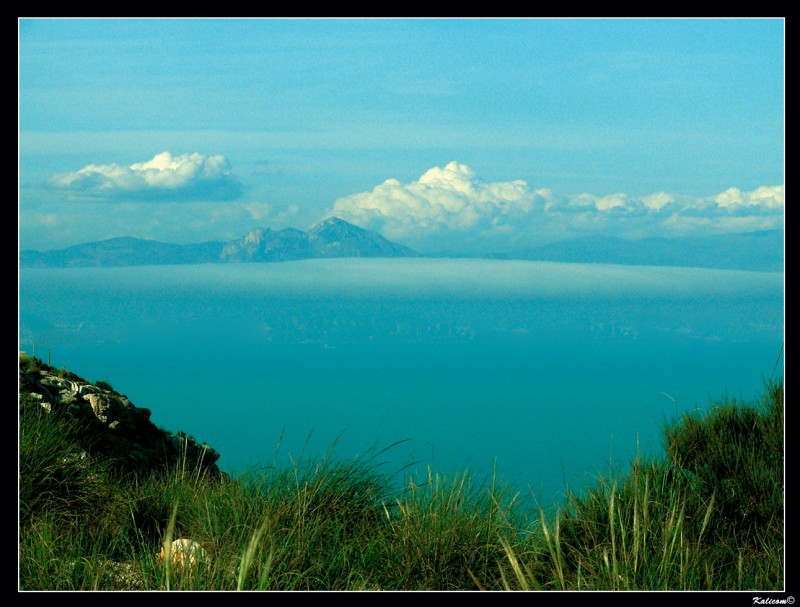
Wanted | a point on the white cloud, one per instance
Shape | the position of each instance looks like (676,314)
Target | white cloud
(258,210)
(614,201)
(451,204)
(657,201)
(164,177)
(767,197)
(448,198)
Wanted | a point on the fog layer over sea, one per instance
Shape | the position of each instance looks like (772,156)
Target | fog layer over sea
(547,373)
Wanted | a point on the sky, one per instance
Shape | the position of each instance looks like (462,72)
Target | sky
(442,134)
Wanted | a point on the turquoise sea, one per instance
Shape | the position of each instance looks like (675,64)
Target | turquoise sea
(546,373)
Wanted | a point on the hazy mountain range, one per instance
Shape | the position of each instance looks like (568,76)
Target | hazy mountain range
(330,238)
(761,251)
(333,237)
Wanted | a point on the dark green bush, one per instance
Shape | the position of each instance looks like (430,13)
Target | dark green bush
(103,385)
(734,452)
(58,478)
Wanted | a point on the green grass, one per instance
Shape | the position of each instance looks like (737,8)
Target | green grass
(706,515)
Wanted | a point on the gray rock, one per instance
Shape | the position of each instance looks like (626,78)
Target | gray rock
(112,426)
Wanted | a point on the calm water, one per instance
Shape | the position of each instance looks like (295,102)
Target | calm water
(547,372)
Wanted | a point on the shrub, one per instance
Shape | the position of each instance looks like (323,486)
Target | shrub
(735,454)
(57,477)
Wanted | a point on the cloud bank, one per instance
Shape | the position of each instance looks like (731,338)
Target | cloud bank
(449,198)
(452,204)
(163,178)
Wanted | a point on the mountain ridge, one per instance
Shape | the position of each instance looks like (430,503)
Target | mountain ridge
(334,237)
(759,250)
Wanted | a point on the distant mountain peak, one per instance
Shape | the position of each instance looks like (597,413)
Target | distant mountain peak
(331,237)
(333,220)
(340,226)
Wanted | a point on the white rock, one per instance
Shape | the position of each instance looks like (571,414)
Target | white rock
(185,552)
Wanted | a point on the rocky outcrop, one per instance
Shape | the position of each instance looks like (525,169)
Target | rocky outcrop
(185,555)
(265,244)
(110,425)
(332,237)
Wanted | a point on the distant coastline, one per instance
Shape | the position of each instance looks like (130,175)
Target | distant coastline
(761,251)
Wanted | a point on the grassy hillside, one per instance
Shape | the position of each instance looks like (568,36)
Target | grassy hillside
(705,515)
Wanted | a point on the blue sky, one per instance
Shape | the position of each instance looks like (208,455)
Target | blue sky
(471,133)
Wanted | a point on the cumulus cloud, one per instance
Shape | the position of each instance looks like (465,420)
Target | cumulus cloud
(163,177)
(449,198)
(657,201)
(453,202)
(767,197)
